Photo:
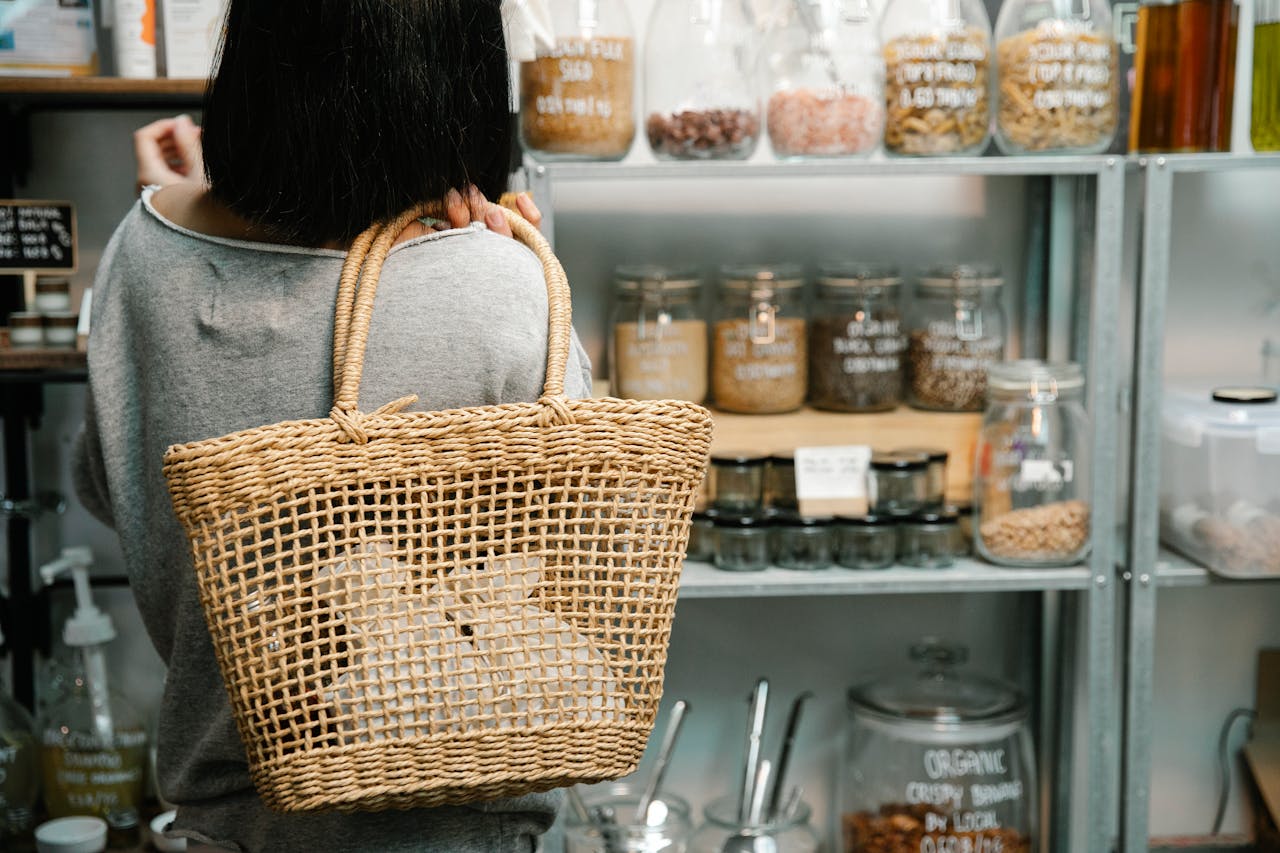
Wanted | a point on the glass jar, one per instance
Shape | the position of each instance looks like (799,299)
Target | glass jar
(743,543)
(1155,66)
(937,489)
(702,97)
(929,540)
(668,829)
(957,332)
(1265,128)
(899,483)
(856,339)
(964,517)
(786,834)
(52,294)
(577,98)
(937,761)
(780,483)
(702,537)
(659,342)
(825,72)
(803,543)
(867,542)
(1031,484)
(759,354)
(737,482)
(938,78)
(19,771)
(1206,74)
(1059,86)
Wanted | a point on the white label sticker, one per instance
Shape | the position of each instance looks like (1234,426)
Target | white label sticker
(832,473)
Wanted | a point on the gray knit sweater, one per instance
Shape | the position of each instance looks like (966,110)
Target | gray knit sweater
(194,337)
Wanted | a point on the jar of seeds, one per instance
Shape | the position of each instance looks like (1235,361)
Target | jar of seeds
(659,337)
(957,332)
(856,339)
(759,362)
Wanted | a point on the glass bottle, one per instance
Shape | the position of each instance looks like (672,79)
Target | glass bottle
(19,771)
(577,99)
(659,342)
(702,95)
(1205,83)
(1155,77)
(1265,127)
(1031,483)
(938,77)
(957,332)
(784,834)
(1059,87)
(825,73)
(856,339)
(667,829)
(759,354)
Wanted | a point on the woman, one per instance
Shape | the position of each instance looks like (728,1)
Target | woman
(213,312)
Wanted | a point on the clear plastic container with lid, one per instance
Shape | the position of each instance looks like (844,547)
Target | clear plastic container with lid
(702,94)
(937,760)
(788,833)
(825,73)
(577,100)
(659,337)
(759,352)
(856,339)
(1031,483)
(957,331)
(938,77)
(1059,86)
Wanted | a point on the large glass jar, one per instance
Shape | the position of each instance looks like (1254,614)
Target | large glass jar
(659,340)
(702,95)
(1265,130)
(938,76)
(577,99)
(856,339)
(1031,484)
(19,771)
(789,833)
(1155,66)
(1059,90)
(825,73)
(937,761)
(759,354)
(667,829)
(957,332)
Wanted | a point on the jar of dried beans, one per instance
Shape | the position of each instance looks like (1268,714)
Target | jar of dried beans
(856,339)
(957,332)
(577,98)
(938,76)
(825,73)
(702,95)
(1059,90)
(759,351)
(659,336)
(1031,483)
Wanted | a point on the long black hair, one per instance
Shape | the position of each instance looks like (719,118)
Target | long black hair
(327,115)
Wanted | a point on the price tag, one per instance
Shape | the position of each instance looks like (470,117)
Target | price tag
(832,480)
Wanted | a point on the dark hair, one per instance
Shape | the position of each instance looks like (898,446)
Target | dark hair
(325,116)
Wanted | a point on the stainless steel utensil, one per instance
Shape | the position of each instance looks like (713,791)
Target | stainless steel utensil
(577,805)
(660,765)
(755,729)
(784,756)
(749,838)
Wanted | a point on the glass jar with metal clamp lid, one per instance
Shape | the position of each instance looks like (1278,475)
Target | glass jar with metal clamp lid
(759,354)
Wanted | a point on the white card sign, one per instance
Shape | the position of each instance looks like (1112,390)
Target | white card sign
(832,480)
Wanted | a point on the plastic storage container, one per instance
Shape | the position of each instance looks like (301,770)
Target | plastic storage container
(936,761)
(658,345)
(1265,127)
(856,339)
(1031,483)
(759,352)
(668,830)
(787,834)
(957,332)
(1220,478)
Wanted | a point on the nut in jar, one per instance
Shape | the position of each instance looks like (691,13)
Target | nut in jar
(937,92)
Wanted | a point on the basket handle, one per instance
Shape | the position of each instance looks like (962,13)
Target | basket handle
(354,311)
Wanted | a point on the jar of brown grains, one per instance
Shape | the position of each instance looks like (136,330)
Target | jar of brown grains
(856,339)
(957,332)
(658,341)
(759,351)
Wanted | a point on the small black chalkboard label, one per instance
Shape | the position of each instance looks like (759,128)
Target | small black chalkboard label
(37,235)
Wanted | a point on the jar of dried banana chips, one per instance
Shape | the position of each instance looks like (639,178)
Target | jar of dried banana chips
(1058,89)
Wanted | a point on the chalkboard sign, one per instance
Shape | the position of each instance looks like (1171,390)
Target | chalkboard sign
(37,235)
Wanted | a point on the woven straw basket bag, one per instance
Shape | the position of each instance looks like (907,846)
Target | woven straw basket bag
(412,609)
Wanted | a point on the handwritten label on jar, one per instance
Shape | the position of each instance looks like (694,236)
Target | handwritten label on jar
(961,813)
(936,92)
(757,378)
(666,361)
(578,99)
(81,777)
(832,480)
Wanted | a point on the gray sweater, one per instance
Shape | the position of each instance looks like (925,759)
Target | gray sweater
(194,337)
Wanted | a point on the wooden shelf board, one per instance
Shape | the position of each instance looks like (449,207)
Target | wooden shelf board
(106,90)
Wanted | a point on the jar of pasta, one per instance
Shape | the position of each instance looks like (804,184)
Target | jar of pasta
(759,353)
(1059,90)
(938,75)
(659,337)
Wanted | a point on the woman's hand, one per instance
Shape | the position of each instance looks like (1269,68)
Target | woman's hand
(461,210)
(169,152)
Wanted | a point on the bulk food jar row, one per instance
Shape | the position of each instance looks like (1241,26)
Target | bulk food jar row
(927,78)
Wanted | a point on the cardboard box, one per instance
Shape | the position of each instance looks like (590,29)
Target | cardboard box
(190,34)
(1263,750)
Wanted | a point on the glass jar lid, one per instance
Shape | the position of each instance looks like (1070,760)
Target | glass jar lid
(1245,396)
(748,460)
(965,278)
(795,519)
(937,694)
(629,278)
(785,459)
(934,454)
(843,275)
(899,461)
(1034,379)
(933,518)
(762,276)
(743,522)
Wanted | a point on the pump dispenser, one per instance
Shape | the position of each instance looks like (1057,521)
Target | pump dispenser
(19,770)
(94,745)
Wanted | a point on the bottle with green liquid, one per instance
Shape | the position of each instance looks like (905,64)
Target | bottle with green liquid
(19,772)
(1265,131)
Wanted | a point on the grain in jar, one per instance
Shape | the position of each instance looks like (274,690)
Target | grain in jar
(856,339)
(759,354)
(957,332)
(659,336)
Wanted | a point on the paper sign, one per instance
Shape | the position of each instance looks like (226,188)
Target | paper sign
(832,480)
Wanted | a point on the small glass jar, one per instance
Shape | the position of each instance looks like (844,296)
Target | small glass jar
(60,329)
(26,330)
(1031,485)
(577,99)
(737,483)
(702,95)
(825,72)
(52,294)
(867,542)
(899,483)
(780,483)
(659,343)
(787,834)
(937,491)
(804,543)
(957,332)
(668,829)
(964,517)
(759,354)
(856,339)
(929,540)
(743,543)
(1265,128)
(702,537)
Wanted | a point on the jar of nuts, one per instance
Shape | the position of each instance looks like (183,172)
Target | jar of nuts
(856,339)
(938,76)
(658,345)
(759,350)
(1031,483)
(702,95)
(957,332)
